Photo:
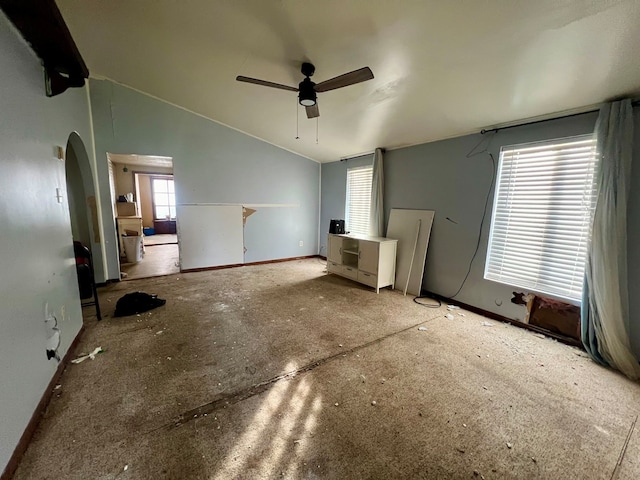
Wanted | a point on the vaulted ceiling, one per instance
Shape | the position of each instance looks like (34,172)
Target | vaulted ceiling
(442,68)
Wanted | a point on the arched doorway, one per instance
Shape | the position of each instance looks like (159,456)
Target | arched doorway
(85,226)
(76,195)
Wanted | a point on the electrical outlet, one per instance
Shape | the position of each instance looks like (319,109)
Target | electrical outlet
(301,243)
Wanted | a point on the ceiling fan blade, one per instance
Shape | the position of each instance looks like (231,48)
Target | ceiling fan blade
(351,78)
(264,83)
(313,112)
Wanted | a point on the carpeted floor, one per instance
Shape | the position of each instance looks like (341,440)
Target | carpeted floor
(280,371)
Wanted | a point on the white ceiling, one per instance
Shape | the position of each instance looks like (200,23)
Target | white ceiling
(442,67)
(141,160)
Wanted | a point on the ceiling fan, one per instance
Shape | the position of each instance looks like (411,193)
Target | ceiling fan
(307,90)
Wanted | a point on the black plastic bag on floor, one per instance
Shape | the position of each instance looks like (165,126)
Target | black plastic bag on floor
(137,302)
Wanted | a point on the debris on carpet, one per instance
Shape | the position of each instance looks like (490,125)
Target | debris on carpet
(91,355)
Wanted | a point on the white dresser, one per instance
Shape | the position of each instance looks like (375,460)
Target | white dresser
(365,259)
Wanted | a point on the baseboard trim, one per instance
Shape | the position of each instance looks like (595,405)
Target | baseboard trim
(265,262)
(494,316)
(38,413)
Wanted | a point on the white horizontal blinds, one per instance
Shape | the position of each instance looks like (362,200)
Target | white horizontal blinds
(358,199)
(543,206)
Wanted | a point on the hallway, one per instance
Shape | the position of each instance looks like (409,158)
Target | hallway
(161,259)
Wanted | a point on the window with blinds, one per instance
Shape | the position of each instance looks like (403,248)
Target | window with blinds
(542,212)
(358,199)
(164,198)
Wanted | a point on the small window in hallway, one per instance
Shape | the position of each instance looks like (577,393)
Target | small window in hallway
(164,198)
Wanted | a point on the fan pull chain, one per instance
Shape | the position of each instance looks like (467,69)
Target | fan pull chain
(297,121)
(317,123)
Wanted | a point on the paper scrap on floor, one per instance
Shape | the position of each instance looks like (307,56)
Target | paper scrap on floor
(92,355)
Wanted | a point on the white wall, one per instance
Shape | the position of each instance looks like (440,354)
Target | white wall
(37,265)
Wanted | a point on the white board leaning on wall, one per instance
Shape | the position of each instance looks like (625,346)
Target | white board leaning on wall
(412,229)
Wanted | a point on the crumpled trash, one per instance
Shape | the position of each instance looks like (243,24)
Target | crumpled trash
(422,329)
(449,316)
(92,355)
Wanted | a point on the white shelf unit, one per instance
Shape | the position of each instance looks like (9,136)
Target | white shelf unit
(365,259)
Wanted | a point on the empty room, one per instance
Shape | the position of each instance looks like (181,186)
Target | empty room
(319,239)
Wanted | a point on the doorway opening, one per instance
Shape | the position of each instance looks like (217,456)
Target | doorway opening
(82,202)
(143,194)
(83,216)
(76,195)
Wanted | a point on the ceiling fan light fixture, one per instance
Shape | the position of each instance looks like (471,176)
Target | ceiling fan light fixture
(308,90)
(307,95)
(307,102)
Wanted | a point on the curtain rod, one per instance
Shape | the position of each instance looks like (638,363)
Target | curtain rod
(634,103)
(351,157)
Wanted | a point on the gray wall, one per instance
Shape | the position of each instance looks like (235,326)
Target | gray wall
(334,193)
(37,266)
(212,164)
(439,176)
(77,199)
(633,239)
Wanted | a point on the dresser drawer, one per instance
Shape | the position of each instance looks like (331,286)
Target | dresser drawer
(350,272)
(334,267)
(368,279)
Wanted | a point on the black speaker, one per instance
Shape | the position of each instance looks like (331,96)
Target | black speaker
(336,226)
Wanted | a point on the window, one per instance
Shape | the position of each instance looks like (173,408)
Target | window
(541,224)
(358,199)
(164,198)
